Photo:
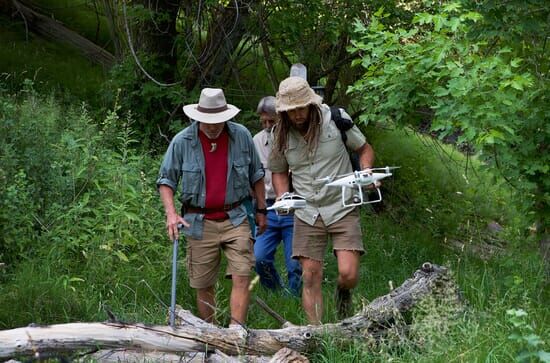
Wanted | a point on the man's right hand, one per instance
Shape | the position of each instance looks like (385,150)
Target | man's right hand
(173,221)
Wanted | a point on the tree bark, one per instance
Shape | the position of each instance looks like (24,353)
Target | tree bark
(225,29)
(194,335)
(156,35)
(109,9)
(264,37)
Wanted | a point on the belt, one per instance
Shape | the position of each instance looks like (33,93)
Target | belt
(225,208)
(224,218)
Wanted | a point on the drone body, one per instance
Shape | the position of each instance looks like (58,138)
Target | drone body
(287,203)
(356,180)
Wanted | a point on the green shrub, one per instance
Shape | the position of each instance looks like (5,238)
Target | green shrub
(36,139)
(151,104)
(433,69)
(81,211)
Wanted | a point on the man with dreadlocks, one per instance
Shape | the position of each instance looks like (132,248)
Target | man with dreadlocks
(309,144)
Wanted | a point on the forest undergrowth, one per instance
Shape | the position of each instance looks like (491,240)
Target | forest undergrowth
(83,233)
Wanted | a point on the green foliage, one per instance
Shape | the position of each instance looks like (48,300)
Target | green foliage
(438,189)
(498,104)
(80,211)
(32,180)
(156,109)
(101,242)
(523,335)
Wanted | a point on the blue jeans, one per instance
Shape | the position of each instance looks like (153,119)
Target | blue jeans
(279,228)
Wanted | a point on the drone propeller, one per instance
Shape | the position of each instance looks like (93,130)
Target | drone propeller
(386,168)
(329,179)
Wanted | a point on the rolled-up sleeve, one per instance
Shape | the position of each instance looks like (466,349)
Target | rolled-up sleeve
(277,163)
(170,169)
(356,139)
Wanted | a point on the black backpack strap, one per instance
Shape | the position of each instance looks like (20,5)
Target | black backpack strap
(342,123)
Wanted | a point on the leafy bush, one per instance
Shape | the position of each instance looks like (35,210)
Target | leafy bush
(436,70)
(32,179)
(157,109)
(80,210)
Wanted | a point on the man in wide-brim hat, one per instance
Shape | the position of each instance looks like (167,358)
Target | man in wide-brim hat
(217,164)
(308,142)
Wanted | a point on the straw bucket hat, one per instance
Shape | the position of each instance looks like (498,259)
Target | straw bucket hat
(212,107)
(295,92)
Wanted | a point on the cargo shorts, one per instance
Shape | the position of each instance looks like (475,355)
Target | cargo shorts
(311,241)
(204,255)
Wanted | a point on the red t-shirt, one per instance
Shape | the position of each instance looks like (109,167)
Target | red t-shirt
(215,164)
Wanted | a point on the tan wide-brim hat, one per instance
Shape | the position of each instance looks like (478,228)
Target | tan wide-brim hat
(212,107)
(295,92)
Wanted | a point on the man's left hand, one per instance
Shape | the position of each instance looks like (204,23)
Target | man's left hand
(261,223)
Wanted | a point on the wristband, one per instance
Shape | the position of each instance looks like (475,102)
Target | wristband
(261,210)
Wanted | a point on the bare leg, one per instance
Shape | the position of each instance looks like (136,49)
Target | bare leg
(206,303)
(312,296)
(240,297)
(348,268)
(348,276)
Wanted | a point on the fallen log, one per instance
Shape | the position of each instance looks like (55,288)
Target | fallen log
(50,28)
(126,355)
(191,334)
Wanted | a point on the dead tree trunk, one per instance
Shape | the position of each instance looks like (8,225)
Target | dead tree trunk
(51,28)
(194,335)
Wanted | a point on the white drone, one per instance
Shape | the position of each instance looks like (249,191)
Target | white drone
(287,203)
(356,180)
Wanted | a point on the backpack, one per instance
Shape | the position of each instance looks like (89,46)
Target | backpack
(344,125)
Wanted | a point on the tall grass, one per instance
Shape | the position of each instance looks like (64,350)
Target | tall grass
(98,243)
(83,223)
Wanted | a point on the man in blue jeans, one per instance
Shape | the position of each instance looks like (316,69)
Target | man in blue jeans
(279,227)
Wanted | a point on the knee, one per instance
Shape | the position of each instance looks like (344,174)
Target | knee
(348,278)
(261,255)
(205,291)
(311,277)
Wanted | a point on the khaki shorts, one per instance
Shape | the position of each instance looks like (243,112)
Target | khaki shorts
(204,255)
(311,241)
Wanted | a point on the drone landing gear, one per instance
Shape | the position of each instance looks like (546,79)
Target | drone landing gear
(359,198)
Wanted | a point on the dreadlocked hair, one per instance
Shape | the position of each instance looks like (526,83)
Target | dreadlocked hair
(311,137)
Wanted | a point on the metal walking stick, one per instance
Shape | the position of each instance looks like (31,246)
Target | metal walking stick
(174,279)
